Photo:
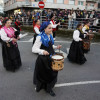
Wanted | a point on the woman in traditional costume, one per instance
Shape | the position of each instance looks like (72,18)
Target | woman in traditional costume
(0,22)
(76,52)
(54,25)
(44,76)
(86,30)
(0,27)
(10,51)
(17,25)
(36,29)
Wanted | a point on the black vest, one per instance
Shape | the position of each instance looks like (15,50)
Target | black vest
(81,35)
(49,49)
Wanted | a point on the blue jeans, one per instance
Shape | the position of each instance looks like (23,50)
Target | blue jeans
(75,23)
(69,24)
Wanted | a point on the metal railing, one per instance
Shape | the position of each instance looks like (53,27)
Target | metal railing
(64,24)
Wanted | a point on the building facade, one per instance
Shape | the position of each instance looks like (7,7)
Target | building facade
(1,6)
(99,5)
(1,9)
(10,5)
(92,4)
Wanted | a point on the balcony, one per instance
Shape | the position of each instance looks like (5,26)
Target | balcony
(27,2)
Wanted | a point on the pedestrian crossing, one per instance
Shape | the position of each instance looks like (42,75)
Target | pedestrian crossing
(29,38)
(23,35)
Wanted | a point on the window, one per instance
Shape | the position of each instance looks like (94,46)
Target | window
(51,1)
(71,2)
(80,2)
(14,1)
(92,5)
(98,5)
(60,1)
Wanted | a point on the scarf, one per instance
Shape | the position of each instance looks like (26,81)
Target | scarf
(9,32)
(45,39)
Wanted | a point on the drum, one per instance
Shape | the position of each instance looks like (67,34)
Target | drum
(57,62)
(91,36)
(86,44)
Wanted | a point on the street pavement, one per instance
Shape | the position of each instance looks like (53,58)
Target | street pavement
(75,82)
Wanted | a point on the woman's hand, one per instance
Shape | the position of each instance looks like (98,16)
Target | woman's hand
(87,34)
(14,40)
(90,31)
(59,46)
(18,38)
(58,23)
(45,53)
(81,40)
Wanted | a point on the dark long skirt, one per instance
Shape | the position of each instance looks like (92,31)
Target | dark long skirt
(54,34)
(0,40)
(35,35)
(76,53)
(17,28)
(44,76)
(11,56)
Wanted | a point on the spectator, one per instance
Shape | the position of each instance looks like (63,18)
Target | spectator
(17,25)
(74,20)
(70,17)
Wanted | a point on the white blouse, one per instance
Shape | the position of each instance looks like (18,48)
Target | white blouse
(76,35)
(37,45)
(36,30)
(53,25)
(4,36)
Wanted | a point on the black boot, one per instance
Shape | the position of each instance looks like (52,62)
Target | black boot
(52,93)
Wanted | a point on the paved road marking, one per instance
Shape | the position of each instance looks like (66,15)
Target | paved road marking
(95,43)
(78,83)
(64,41)
(30,40)
(23,35)
(67,50)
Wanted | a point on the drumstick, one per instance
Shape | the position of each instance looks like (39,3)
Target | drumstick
(59,50)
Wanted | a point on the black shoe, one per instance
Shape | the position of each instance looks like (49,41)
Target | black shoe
(52,93)
(37,89)
(10,70)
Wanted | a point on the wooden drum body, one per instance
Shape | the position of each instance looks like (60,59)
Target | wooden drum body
(91,36)
(86,44)
(57,62)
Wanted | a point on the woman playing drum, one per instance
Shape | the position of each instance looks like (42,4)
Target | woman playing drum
(87,37)
(44,76)
(36,29)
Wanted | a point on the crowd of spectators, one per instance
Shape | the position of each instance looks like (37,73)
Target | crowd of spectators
(68,18)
